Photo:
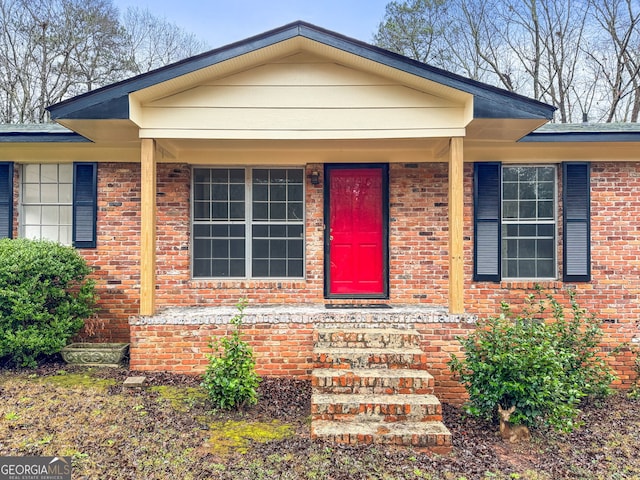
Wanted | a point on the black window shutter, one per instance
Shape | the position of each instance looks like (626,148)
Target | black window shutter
(85,204)
(576,258)
(6,200)
(486,222)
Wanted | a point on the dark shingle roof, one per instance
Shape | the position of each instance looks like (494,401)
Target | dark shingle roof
(38,132)
(112,101)
(585,132)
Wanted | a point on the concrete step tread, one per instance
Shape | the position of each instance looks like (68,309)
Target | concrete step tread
(372,372)
(329,427)
(368,351)
(365,398)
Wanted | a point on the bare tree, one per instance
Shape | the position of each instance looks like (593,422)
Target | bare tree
(583,56)
(53,49)
(616,57)
(417,29)
(153,42)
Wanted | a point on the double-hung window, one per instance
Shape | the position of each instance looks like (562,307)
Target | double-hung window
(516,222)
(248,223)
(58,202)
(529,222)
(47,206)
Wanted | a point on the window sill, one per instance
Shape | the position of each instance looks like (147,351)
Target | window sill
(531,284)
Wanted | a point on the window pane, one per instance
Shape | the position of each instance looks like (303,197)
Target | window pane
(278,249)
(49,174)
(510,209)
(260,249)
(220,268)
(201,192)
(296,268)
(278,176)
(294,248)
(236,192)
(49,232)
(278,268)
(201,175)
(295,211)
(201,231)
(236,210)
(236,249)
(527,248)
(237,268)
(546,269)
(219,211)
(49,193)
(50,216)
(31,193)
(260,193)
(260,175)
(278,211)
(202,248)
(32,231)
(260,268)
(202,268)
(201,211)
(66,193)
(278,193)
(65,235)
(220,192)
(510,191)
(220,248)
(65,173)
(260,211)
(65,215)
(32,215)
(219,175)
(295,175)
(545,210)
(527,209)
(547,174)
(278,230)
(31,173)
(526,268)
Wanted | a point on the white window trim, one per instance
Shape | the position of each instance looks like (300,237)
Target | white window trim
(556,206)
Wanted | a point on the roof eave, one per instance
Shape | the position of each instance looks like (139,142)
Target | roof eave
(111,101)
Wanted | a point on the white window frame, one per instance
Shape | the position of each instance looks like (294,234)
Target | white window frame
(553,221)
(249,222)
(62,207)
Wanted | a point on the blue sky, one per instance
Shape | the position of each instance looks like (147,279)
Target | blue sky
(219,22)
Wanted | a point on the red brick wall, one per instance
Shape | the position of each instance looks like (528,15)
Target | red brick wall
(418,262)
(280,349)
(116,259)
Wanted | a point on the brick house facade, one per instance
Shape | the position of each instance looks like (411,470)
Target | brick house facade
(167,287)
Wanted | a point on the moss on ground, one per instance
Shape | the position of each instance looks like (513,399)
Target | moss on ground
(231,435)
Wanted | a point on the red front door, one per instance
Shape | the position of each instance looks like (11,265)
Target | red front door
(356,233)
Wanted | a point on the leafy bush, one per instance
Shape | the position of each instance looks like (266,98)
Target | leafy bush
(45,296)
(231,379)
(542,361)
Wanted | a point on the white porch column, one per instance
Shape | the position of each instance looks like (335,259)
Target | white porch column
(148,227)
(456,226)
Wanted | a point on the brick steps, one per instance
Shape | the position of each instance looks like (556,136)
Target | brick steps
(371,386)
(387,408)
(433,436)
(372,381)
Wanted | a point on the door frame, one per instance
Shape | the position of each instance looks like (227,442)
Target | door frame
(328,168)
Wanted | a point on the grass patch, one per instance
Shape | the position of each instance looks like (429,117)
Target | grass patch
(80,380)
(232,435)
(181,399)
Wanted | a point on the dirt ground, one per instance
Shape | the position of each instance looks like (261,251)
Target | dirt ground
(168,430)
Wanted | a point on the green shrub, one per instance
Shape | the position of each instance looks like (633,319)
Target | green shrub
(45,296)
(231,379)
(542,361)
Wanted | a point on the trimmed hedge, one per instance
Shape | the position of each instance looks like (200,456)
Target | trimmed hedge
(45,296)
